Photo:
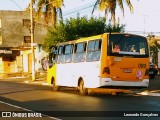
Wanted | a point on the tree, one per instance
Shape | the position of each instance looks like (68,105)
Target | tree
(154,48)
(54,36)
(49,9)
(83,27)
(110,6)
(75,28)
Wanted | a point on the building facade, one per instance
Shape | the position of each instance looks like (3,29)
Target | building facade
(15,42)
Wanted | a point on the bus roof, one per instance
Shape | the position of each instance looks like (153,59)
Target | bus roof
(91,38)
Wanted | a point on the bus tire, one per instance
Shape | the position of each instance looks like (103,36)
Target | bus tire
(55,87)
(82,89)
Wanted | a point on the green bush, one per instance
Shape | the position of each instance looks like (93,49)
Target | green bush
(75,28)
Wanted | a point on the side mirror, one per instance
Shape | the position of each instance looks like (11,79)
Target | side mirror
(50,65)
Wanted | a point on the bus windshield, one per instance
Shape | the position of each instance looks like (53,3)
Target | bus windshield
(127,45)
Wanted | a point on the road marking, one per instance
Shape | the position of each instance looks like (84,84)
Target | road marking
(27,110)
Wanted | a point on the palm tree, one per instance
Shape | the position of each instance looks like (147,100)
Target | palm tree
(49,9)
(110,6)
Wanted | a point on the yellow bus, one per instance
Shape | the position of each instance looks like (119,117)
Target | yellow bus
(107,60)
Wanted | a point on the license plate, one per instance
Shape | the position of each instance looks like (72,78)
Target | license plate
(127,71)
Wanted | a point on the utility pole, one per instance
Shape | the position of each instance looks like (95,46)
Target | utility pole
(32,41)
(144,23)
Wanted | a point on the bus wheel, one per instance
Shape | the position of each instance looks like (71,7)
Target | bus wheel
(55,87)
(82,89)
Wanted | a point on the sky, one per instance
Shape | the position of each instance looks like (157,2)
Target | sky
(145,18)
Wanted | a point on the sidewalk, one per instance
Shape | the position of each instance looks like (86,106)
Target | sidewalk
(154,87)
(40,81)
(41,78)
(27,80)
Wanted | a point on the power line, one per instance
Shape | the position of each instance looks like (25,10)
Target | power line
(79,12)
(81,8)
(16,5)
(142,32)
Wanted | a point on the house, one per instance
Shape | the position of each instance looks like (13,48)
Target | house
(15,42)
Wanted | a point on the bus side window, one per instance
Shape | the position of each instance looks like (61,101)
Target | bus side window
(94,50)
(79,52)
(52,56)
(60,54)
(68,53)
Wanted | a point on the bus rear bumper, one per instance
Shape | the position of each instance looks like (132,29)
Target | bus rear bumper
(110,82)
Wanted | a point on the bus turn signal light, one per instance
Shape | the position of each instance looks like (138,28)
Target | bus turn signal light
(106,70)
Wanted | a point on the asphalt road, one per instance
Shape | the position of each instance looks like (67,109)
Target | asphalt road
(67,104)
